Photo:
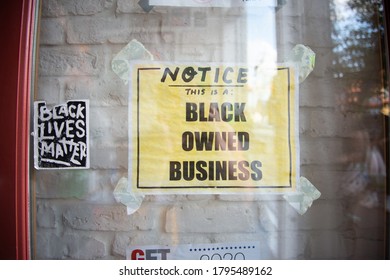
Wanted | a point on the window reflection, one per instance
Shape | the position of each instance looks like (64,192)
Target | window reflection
(359,67)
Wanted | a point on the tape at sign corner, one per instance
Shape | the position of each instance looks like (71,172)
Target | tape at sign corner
(304,197)
(134,50)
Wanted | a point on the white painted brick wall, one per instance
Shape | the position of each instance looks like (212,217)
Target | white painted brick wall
(53,31)
(70,61)
(97,217)
(57,8)
(76,214)
(69,246)
(211,217)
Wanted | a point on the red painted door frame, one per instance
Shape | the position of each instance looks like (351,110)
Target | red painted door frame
(16,31)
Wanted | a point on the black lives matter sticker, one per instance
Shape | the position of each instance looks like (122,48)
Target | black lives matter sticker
(61,135)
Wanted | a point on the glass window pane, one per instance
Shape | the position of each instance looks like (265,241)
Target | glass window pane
(293,162)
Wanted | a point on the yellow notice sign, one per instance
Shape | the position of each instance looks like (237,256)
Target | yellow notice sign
(206,128)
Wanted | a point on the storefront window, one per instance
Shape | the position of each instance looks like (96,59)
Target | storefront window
(210,130)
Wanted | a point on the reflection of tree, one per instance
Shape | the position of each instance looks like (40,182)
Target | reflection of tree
(358,35)
(359,66)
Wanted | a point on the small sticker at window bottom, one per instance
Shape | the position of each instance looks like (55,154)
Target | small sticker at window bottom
(214,251)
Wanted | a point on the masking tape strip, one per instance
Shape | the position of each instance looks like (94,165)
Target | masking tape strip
(124,195)
(304,197)
(304,58)
(134,50)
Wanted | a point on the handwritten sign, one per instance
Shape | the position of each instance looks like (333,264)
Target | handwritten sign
(61,135)
(212,129)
